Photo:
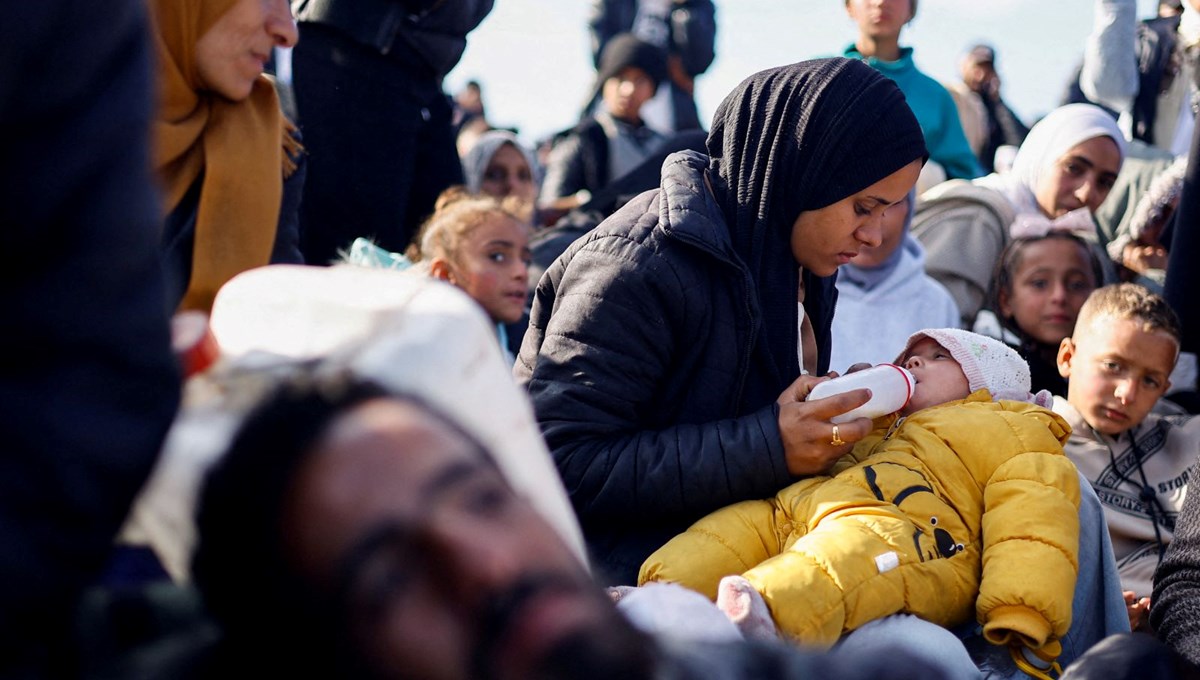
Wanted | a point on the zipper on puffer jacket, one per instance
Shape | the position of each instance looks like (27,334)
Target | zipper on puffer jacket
(887,435)
(892,430)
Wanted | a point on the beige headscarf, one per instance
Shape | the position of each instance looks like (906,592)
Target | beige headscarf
(239,147)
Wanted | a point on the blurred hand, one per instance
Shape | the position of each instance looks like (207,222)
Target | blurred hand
(992,88)
(806,431)
(1139,611)
(1142,258)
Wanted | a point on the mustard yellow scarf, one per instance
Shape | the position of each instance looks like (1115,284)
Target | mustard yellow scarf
(238,146)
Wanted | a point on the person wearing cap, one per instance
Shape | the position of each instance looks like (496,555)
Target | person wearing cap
(1000,125)
(686,29)
(899,527)
(615,139)
(878,44)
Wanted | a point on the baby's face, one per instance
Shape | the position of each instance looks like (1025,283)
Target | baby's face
(939,377)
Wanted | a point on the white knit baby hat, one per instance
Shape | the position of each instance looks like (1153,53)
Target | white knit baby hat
(987,362)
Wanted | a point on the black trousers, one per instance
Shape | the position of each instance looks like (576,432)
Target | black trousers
(379,140)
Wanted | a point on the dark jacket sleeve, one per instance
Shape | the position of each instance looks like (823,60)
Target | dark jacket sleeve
(691,29)
(434,31)
(88,385)
(1175,604)
(287,234)
(619,335)
(1183,276)
(694,34)
(566,169)
(607,18)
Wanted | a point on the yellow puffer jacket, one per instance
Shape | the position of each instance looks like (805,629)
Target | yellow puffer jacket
(970,505)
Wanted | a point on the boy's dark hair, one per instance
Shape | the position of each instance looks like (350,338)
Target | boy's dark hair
(1132,302)
(240,565)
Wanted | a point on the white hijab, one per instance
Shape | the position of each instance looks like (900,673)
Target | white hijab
(475,161)
(1053,136)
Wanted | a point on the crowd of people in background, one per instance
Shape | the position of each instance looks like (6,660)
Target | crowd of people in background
(459,405)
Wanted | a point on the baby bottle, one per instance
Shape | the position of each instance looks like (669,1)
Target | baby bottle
(891,387)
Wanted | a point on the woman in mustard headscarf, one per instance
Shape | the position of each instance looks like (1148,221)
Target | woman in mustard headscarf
(224,153)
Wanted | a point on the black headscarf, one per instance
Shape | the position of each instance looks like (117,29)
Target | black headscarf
(795,138)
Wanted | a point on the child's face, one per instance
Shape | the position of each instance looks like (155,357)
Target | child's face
(880,18)
(492,266)
(625,93)
(508,174)
(939,377)
(1117,371)
(1052,280)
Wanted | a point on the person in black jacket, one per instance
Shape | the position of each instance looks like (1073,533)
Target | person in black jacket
(613,140)
(377,124)
(88,385)
(1183,276)
(686,29)
(665,348)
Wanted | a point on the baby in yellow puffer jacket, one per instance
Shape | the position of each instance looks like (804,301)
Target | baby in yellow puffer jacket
(962,503)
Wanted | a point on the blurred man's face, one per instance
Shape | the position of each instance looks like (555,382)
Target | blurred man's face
(442,571)
(980,76)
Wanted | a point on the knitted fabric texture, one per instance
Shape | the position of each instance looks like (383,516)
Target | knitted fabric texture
(988,363)
(795,138)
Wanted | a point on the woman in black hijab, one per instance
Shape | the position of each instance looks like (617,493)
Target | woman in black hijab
(666,347)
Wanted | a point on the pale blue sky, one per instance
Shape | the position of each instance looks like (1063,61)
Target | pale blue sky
(533,61)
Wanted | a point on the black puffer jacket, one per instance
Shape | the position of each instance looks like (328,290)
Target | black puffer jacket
(659,343)
(428,33)
(660,410)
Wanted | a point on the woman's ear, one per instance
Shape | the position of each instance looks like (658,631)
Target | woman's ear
(439,268)
(1066,354)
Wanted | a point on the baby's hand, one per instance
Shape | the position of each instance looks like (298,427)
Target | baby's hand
(1138,609)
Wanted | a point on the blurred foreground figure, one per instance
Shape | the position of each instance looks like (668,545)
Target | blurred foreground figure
(355,532)
(87,382)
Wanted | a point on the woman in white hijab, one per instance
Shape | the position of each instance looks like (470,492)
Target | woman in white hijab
(499,165)
(1061,174)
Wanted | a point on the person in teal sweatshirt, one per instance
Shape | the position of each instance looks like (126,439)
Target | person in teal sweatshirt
(878,44)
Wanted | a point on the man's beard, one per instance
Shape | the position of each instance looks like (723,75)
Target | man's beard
(612,650)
